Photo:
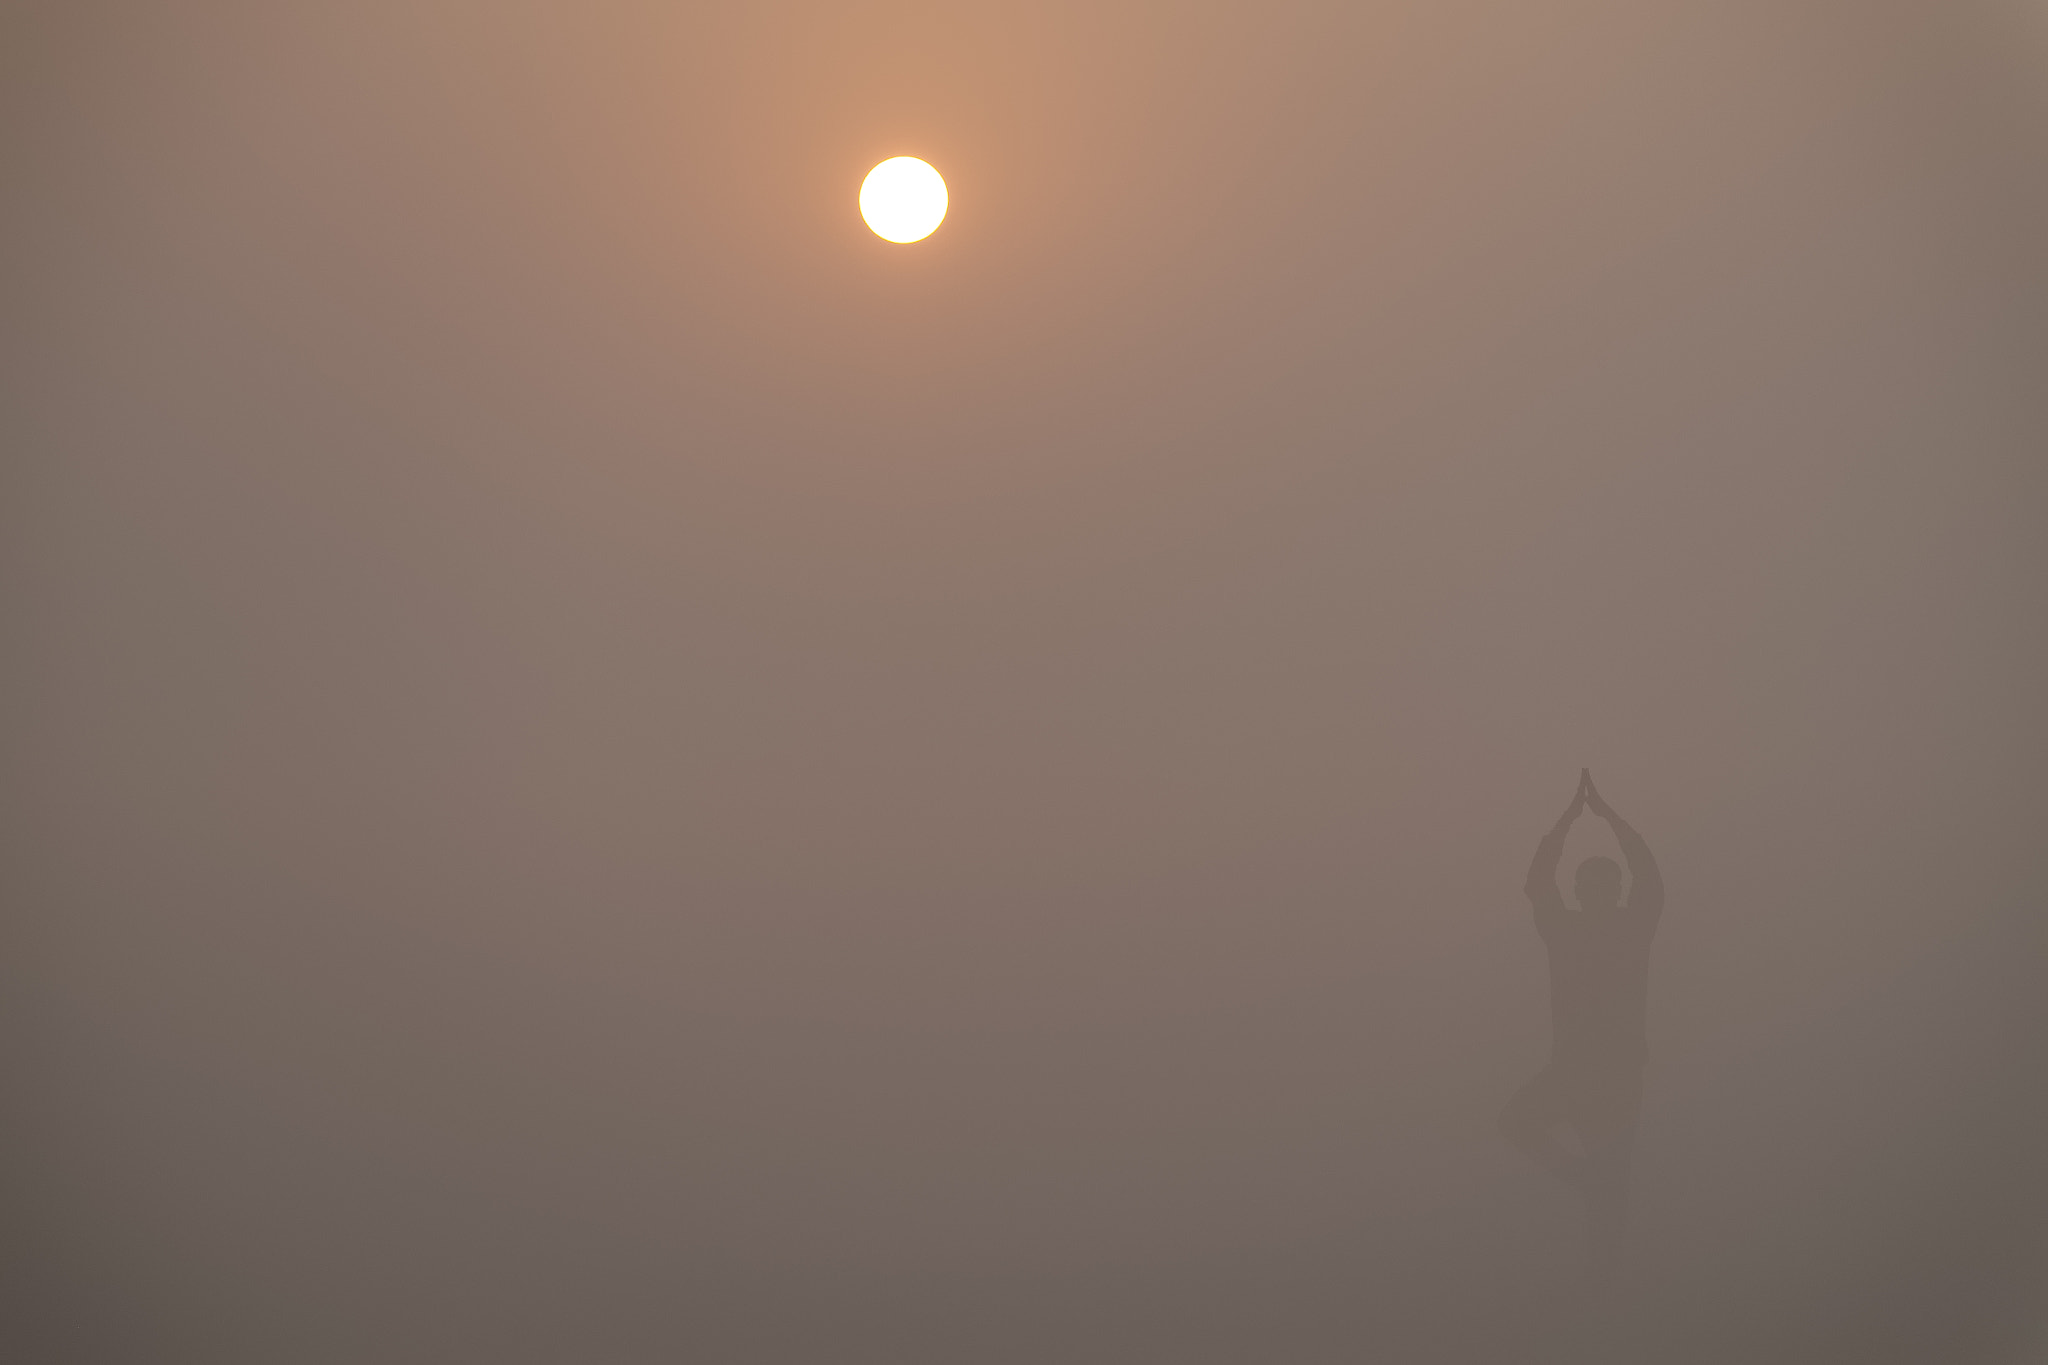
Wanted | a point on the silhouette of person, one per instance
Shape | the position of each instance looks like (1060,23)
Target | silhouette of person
(1599,994)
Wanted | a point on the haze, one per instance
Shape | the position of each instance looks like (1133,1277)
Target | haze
(603,766)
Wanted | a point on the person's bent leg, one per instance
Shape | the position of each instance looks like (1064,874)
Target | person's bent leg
(1530,1122)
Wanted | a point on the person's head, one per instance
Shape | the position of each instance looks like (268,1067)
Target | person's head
(1598,884)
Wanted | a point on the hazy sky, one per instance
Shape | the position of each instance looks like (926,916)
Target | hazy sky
(602,766)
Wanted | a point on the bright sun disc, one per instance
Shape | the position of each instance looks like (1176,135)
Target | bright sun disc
(903,199)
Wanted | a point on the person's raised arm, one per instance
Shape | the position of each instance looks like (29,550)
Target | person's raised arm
(1646,883)
(1541,885)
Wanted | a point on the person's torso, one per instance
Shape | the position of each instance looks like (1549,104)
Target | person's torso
(1599,989)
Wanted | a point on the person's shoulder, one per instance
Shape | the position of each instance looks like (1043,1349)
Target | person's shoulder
(1644,905)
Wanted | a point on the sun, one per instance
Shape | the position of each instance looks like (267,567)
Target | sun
(903,199)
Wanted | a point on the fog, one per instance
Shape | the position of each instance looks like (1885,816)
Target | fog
(603,766)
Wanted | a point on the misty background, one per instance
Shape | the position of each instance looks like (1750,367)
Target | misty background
(602,766)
